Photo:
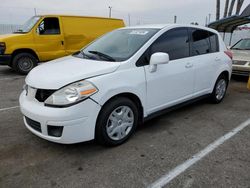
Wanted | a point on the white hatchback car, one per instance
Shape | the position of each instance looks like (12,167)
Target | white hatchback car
(123,78)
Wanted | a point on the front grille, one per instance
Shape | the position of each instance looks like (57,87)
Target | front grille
(239,62)
(43,94)
(33,124)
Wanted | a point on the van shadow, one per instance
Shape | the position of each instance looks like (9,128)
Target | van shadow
(7,71)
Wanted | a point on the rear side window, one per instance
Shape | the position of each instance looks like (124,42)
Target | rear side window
(175,42)
(203,42)
(214,42)
(200,42)
(49,26)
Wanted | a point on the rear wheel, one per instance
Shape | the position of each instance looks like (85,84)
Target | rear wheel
(220,89)
(116,122)
(23,63)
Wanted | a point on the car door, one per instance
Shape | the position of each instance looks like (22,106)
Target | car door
(171,83)
(206,57)
(49,39)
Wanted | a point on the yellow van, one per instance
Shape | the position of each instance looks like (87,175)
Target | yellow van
(43,38)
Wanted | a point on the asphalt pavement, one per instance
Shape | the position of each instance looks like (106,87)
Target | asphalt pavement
(156,148)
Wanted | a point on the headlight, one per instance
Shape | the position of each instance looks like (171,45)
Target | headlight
(2,47)
(71,94)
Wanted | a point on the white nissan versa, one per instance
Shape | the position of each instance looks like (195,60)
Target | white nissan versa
(104,91)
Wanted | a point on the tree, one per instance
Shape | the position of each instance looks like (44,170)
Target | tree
(231,8)
(226,8)
(239,5)
(217,9)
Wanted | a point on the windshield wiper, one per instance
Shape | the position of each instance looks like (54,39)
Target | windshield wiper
(100,54)
(85,55)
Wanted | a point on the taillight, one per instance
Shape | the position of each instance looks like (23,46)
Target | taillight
(229,54)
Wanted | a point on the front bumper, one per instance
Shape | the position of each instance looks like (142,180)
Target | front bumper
(5,59)
(78,121)
(243,70)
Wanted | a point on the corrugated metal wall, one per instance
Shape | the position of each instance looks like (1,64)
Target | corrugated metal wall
(8,28)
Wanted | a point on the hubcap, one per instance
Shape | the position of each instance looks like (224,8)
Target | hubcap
(25,63)
(220,89)
(120,123)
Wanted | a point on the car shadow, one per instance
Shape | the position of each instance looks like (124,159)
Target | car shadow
(239,78)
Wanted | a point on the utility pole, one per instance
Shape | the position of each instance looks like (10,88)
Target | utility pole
(128,19)
(110,10)
(35,11)
(209,18)
(175,19)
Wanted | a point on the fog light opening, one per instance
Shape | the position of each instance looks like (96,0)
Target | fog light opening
(55,131)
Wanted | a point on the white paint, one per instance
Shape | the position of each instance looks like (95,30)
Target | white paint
(164,180)
(9,108)
(11,78)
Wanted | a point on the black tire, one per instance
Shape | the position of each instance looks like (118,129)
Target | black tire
(23,63)
(214,97)
(101,134)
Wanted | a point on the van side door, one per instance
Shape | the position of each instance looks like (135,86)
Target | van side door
(49,39)
(205,54)
(171,83)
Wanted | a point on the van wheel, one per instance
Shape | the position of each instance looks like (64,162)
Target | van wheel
(116,122)
(24,62)
(220,89)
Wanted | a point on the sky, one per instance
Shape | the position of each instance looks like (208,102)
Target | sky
(139,11)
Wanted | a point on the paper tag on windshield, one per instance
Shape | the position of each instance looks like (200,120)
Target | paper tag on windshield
(138,32)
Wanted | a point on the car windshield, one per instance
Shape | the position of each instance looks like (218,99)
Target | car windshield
(244,44)
(28,25)
(118,45)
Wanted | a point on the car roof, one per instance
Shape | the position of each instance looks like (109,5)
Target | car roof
(165,26)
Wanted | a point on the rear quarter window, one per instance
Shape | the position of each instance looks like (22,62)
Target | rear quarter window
(203,42)
(214,42)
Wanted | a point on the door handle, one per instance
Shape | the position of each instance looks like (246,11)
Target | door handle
(217,59)
(189,65)
(62,42)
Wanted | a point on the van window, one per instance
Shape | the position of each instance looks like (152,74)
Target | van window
(49,26)
(175,42)
(200,42)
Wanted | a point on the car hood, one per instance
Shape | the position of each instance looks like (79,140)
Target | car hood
(242,55)
(58,73)
(9,36)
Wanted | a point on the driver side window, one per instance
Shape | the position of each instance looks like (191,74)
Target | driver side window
(49,26)
(175,42)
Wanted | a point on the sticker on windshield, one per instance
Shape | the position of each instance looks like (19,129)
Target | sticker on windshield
(138,32)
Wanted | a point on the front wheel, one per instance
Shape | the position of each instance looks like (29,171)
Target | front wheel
(116,122)
(23,63)
(220,89)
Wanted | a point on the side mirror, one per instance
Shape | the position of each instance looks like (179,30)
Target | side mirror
(158,59)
